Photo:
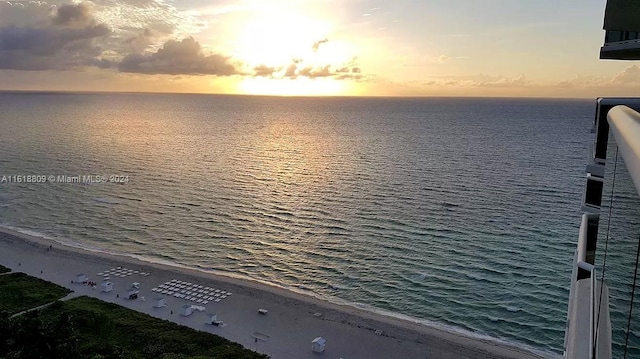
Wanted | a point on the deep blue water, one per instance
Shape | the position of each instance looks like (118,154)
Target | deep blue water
(463,212)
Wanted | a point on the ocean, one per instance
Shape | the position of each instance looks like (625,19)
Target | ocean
(460,212)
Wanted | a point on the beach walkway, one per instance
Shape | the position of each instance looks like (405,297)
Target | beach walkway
(67,297)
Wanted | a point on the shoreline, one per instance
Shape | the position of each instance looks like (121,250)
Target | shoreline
(296,319)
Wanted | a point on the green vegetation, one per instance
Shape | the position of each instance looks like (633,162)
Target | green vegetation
(90,328)
(4,269)
(26,336)
(19,292)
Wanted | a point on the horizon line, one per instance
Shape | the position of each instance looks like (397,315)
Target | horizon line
(105,92)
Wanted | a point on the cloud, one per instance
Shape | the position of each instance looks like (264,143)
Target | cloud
(628,76)
(427,59)
(291,70)
(130,36)
(622,83)
(264,70)
(312,70)
(350,77)
(47,42)
(583,81)
(178,58)
(520,81)
(481,80)
(141,25)
(24,14)
(316,45)
(126,16)
(142,40)
(73,15)
(136,25)
(315,72)
(625,82)
(64,40)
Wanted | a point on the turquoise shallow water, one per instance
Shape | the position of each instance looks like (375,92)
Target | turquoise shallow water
(463,212)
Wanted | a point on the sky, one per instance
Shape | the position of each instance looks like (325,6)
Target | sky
(514,48)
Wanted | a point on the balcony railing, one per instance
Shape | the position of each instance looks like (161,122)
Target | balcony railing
(592,307)
(625,126)
(588,333)
(588,320)
(621,50)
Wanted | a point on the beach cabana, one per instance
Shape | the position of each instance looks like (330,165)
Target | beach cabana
(318,345)
(212,318)
(81,278)
(106,287)
(159,302)
(186,310)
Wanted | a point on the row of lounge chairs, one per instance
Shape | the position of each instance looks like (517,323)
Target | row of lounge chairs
(121,272)
(191,291)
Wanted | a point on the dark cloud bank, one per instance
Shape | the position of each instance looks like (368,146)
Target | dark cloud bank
(66,42)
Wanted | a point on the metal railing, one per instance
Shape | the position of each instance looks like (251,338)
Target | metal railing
(621,43)
(624,123)
(592,307)
(581,257)
(619,117)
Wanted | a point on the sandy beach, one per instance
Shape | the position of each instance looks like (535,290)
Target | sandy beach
(285,332)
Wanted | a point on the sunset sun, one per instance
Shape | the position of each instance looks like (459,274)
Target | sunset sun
(291,53)
(276,37)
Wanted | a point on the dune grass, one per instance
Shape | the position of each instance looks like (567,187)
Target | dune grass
(19,292)
(86,327)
